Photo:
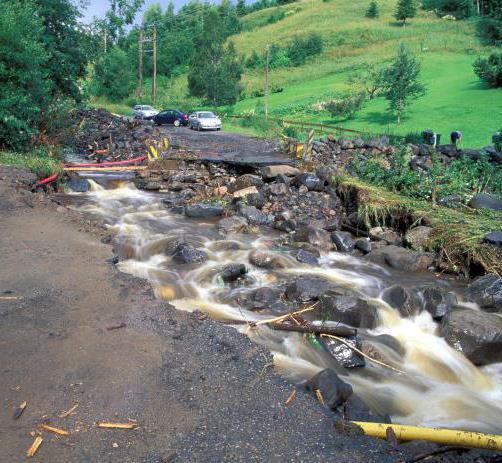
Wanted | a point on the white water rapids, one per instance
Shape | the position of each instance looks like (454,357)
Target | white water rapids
(438,386)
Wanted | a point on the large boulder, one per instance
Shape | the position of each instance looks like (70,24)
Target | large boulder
(486,291)
(437,300)
(253,215)
(245,181)
(401,299)
(186,254)
(475,333)
(417,237)
(348,309)
(234,224)
(305,289)
(334,391)
(403,259)
(485,201)
(311,181)
(245,192)
(232,272)
(343,241)
(494,238)
(306,257)
(204,211)
(315,236)
(79,185)
(364,245)
(343,353)
(385,234)
(271,172)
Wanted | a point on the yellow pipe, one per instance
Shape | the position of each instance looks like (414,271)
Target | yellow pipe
(439,435)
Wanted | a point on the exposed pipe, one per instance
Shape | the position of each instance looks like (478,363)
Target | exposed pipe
(438,435)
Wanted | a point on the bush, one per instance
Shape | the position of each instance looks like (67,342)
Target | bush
(276,16)
(346,106)
(254,61)
(414,138)
(490,69)
(299,49)
(463,176)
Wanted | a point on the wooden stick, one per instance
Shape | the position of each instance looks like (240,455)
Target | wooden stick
(68,412)
(290,397)
(34,447)
(336,331)
(61,432)
(112,168)
(359,351)
(284,317)
(104,424)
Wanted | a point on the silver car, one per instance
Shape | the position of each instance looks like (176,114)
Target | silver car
(141,111)
(204,120)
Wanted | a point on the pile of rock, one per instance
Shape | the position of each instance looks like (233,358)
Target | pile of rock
(103,135)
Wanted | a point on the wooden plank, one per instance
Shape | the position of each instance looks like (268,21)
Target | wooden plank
(96,169)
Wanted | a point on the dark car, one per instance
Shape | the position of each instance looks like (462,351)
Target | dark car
(171,116)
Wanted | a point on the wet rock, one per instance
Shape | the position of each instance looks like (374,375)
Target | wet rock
(79,185)
(387,342)
(305,289)
(485,201)
(285,225)
(348,309)
(494,238)
(152,186)
(271,172)
(223,246)
(475,333)
(245,181)
(386,234)
(186,254)
(171,244)
(311,181)
(245,192)
(403,259)
(417,237)
(256,199)
(204,211)
(450,201)
(346,356)
(315,236)
(401,299)
(356,410)
(307,247)
(333,224)
(278,189)
(343,241)
(232,271)
(436,300)
(253,215)
(306,257)
(326,174)
(234,224)
(486,291)
(334,391)
(265,295)
(363,244)
(267,260)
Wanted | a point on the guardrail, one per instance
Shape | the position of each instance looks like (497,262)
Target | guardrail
(323,127)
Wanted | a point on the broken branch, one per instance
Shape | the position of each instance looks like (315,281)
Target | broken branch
(34,447)
(104,424)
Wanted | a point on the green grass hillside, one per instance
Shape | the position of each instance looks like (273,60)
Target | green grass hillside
(455,98)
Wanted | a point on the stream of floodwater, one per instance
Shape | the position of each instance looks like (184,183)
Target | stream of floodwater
(438,386)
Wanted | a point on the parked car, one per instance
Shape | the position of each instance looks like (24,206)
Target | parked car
(143,111)
(171,116)
(204,120)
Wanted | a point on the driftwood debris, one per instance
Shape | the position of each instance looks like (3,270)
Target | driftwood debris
(34,447)
(54,430)
(105,424)
(342,331)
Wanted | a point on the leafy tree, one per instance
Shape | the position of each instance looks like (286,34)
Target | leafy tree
(460,9)
(299,49)
(121,14)
(347,106)
(370,80)
(215,70)
(24,87)
(490,69)
(372,11)
(490,27)
(405,9)
(401,81)
(113,75)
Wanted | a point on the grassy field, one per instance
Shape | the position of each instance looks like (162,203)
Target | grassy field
(455,99)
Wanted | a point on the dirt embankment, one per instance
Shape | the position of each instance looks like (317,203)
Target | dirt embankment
(75,331)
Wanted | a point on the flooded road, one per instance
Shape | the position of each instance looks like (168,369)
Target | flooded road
(422,381)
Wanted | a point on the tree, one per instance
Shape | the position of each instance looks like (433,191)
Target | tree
(121,13)
(241,7)
(215,70)
(24,88)
(490,69)
(372,11)
(401,81)
(114,77)
(347,105)
(405,9)
(370,80)
(490,27)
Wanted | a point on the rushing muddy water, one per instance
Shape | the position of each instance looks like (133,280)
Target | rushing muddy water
(437,386)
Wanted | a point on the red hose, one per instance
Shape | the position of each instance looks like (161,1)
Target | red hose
(47,180)
(107,164)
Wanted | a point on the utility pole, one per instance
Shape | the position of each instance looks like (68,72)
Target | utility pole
(140,63)
(266,80)
(154,78)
